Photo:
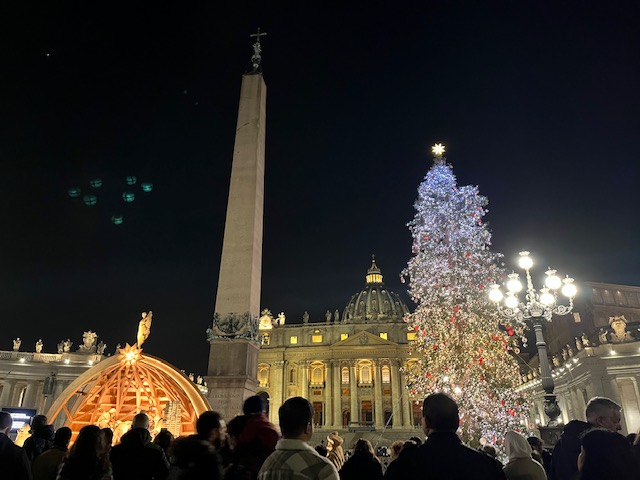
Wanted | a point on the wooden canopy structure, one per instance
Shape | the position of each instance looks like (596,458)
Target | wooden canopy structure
(116,389)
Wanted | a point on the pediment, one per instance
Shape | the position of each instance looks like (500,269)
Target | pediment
(363,339)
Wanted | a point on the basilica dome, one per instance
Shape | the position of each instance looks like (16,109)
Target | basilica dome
(374,303)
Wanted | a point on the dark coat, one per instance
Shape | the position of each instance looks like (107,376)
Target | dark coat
(136,458)
(40,441)
(361,466)
(14,463)
(564,462)
(443,456)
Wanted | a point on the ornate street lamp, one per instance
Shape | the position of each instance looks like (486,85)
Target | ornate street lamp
(537,306)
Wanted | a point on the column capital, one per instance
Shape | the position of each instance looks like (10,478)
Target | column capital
(353,363)
(280,363)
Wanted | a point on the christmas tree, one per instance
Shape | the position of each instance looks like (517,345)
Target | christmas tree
(461,346)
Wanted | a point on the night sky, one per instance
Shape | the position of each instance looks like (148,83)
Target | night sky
(537,102)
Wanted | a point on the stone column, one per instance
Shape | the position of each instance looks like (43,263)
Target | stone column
(407,416)
(328,394)
(337,394)
(353,391)
(7,393)
(395,395)
(304,378)
(30,395)
(278,389)
(377,392)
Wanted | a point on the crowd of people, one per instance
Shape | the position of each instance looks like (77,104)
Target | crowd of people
(250,447)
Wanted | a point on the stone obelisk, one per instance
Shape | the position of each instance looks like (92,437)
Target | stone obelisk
(233,357)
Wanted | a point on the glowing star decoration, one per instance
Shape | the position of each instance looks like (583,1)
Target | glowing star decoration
(438,150)
(130,354)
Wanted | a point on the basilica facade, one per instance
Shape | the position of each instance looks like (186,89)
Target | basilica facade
(349,366)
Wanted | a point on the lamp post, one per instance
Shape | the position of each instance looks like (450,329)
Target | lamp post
(537,306)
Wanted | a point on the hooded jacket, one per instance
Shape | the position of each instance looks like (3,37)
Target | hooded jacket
(564,462)
(521,465)
(136,458)
(41,440)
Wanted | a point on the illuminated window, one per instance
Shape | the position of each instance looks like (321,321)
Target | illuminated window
(383,335)
(386,374)
(263,376)
(316,338)
(365,374)
(292,375)
(344,336)
(411,336)
(293,339)
(345,375)
(316,375)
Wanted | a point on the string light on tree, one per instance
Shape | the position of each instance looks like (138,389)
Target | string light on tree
(462,347)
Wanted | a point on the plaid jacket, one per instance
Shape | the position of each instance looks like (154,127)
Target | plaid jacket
(296,460)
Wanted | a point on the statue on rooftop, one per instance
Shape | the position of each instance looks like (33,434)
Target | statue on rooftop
(602,337)
(88,342)
(39,346)
(144,327)
(585,340)
(579,344)
(101,348)
(620,334)
(60,346)
(336,316)
(16,344)
(328,316)
(305,317)
(266,320)
(281,318)
(66,345)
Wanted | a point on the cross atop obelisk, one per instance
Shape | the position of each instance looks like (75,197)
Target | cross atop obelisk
(256,58)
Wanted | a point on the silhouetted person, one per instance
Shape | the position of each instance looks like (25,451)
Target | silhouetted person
(163,439)
(539,454)
(14,463)
(601,412)
(294,458)
(258,433)
(363,464)
(443,455)
(136,457)
(605,455)
(45,466)
(88,458)
(41,437)
(194,459)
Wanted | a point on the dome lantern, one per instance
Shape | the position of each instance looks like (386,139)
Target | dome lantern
(374,275)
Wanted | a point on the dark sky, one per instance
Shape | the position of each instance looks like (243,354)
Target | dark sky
(537,103)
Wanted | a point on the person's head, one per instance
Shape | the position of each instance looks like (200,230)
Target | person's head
(38,422)
(536,443)
(88,456)
(604,413)
(296,419)
(606,455)
(396,448)
(363,447)
(439,414)
(6,422)
(253,404)
(210,426)
(235,428)
(108,436)
(192,458)
(62,437)
(516,446)
(141,420)
(164,439)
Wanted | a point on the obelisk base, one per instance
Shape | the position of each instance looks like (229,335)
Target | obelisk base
(230,380)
